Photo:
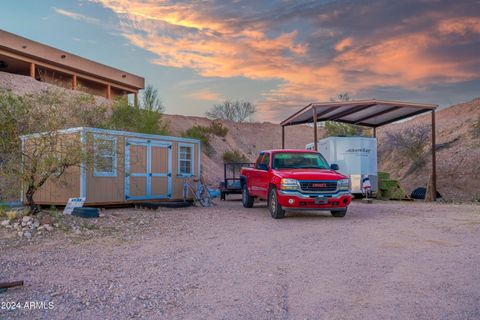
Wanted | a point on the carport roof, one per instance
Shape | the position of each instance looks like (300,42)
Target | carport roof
(371,113)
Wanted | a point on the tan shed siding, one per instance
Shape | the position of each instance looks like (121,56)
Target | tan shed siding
(107,189)
(138,159)
(59,190)
(159,163)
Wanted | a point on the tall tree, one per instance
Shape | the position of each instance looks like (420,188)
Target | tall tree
(234,110)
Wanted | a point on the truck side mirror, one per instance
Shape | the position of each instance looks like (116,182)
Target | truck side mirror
(334,166)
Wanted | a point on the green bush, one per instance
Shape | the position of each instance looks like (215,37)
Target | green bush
(234,156)
(218,129)
(201,133)
(128,118)
(476,129)
(345,130)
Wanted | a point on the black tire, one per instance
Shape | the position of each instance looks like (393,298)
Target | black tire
(273,206)
(339,213)
(247,200)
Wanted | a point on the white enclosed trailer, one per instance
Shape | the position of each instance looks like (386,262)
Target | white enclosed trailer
(355,156)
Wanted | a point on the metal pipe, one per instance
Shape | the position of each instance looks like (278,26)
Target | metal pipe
(434,160)
(315,138)
(283,137)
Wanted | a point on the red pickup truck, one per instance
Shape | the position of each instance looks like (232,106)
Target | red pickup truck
(295,179)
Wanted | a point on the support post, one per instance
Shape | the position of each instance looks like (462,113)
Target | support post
(434,160)
(32,70)
(315,138)
(374,132)
(135,99)
(109,91)
(283,137)
(74,82)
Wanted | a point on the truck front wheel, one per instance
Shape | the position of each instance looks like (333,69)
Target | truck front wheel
(247,200)
(339,213)
(275,209)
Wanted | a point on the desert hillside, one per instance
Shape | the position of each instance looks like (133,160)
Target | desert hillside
(458,151)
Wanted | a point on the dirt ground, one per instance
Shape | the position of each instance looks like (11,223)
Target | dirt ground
(387,260)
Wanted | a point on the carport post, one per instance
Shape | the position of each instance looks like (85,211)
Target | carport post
(315,138)
(374,134)
(434,160)
(283,137)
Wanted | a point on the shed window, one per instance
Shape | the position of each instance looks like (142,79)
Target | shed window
(105,156)
(185,159)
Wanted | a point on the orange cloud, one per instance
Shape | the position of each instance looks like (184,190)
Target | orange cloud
(344,44)
(205,95)
(183,36)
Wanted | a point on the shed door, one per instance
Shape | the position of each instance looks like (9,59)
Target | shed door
(148,167)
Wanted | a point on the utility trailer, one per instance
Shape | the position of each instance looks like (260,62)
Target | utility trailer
(355,156)
(231,178)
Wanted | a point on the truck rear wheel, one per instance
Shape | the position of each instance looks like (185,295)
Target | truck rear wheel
(275,209)
(247,200)
(339,213)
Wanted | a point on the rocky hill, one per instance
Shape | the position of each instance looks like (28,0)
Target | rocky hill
(458,151)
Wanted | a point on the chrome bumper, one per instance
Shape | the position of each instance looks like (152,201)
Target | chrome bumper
(293,193)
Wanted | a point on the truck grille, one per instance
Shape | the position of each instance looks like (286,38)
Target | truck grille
(318,186)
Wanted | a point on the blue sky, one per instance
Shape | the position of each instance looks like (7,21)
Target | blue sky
(278,54)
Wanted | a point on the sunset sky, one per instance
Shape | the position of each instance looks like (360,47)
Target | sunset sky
(279,54)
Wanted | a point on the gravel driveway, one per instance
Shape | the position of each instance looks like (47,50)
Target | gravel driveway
(388,260)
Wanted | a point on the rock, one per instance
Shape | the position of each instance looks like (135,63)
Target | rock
(26,219)
(27,234)
(16,225)
(5,223)
(46,220)
(47,227)
(20,233)
(35,225)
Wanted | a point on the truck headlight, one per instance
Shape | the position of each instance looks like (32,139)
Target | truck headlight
(343,184)
(289,184)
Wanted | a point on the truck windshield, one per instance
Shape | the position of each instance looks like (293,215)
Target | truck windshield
(298,160)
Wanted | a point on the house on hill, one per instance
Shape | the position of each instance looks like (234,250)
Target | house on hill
(22,56)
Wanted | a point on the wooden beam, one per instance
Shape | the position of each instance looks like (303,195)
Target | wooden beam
(434,160)
(32,70)
(109,91)
(315,138)
(74,82)
(374,133)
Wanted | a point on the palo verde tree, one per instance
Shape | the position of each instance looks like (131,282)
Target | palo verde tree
(145,119)
(234,110)
(42,156)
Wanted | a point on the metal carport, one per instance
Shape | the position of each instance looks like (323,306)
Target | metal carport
(369,113)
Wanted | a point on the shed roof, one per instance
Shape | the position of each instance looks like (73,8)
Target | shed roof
(371,113)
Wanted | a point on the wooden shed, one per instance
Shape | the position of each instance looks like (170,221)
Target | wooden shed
(126,167)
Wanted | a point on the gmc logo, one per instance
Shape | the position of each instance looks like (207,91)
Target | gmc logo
(319,185)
